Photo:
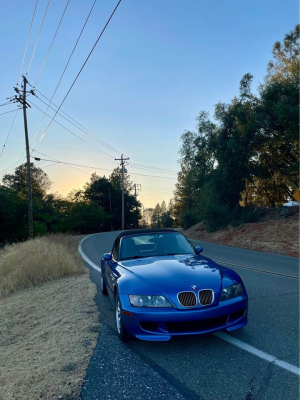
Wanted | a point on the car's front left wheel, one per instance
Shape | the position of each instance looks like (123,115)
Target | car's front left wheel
(103,285)
(123,335)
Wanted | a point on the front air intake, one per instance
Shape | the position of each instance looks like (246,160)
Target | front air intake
(187,299)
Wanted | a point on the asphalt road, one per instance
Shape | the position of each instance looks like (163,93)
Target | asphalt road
(206,367)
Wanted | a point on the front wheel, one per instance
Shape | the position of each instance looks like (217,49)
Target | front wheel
(121,330)
(103,285)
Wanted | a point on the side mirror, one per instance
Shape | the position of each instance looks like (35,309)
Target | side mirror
(199,249)
(107,256)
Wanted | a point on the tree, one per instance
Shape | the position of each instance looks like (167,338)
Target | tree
(285,65)
(82,217)
(13,215)
(250,156)
(156,217)
(99,191)
(40,181)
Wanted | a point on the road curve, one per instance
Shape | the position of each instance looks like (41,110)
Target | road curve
(205,367)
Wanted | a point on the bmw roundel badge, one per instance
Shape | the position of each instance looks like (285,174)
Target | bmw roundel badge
(193,287)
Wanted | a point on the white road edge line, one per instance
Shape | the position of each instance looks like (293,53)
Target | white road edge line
(258,353)
(220,335)
(90,262)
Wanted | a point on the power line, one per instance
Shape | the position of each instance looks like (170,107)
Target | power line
(60,79)
(9,133)
(57,161)
(139,166)
(21,158)
(87,166)
(7,112)
(38,37)
(26,45)
(77,76)
(77,124)
(90,144)
(154,168)
(84,130)
(4,104)
(74,134)
(50,47)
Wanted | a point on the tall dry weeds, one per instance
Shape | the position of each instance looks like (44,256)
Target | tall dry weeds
(37,261)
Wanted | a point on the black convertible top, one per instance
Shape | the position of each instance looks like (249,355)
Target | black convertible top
(137,231)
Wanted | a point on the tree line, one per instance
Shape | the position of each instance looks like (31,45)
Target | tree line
(244,158)
(161,216)
(247,156)
(96,207)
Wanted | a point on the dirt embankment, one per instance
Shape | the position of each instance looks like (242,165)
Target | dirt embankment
(48,320)
(273,236)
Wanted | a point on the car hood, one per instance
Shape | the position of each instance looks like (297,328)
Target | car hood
(169,275)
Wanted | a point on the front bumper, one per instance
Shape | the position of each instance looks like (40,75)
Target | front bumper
(161,324)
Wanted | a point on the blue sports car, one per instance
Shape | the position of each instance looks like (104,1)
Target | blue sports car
(161,286)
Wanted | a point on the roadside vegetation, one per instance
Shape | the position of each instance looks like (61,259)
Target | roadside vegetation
(248,155)
(34,262)
(94,208)
(48,319)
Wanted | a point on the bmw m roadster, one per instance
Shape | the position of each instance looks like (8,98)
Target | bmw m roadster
(161,287)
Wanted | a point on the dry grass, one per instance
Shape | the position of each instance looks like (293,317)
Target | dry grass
(38,261)
(47,335)
(47,330)
(279,236)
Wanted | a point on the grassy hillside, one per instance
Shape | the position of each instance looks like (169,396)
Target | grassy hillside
(38,261)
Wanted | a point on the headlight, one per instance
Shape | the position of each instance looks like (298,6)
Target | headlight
(148,301)
(231,291)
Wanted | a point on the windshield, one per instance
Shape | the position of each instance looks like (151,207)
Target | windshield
(154,244)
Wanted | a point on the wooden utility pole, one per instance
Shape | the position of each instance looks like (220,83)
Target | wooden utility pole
(109,193)
(136,187)
(122,159)
(29,190)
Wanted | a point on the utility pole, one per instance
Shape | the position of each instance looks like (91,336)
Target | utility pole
(122,159)
(109,193)
(30,214)
(136,187)
(22,100)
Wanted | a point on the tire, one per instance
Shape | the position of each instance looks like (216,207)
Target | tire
(122,333)
(103,285)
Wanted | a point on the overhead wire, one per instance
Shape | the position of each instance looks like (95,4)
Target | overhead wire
(84,130)
(154,168)
(9,133)
(77,123)
(87,166)
(81,69)
(4,104)
(74,134)
(48,106)
(66,66)
(50,47)
(20,159)
(38,37)
(7,112)
(27,41)
(139,166)
(57,161)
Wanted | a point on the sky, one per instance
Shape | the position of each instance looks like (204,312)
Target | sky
(157,65)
